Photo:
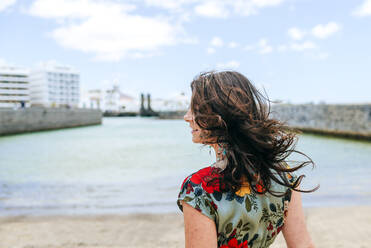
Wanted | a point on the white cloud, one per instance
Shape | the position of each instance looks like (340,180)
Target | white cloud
(266,3)
(217,42)
(107,29)
(364,9)
(264,48)
(228,65)
(261,47)
(212,9)
(250,7)
(233,44)
(210,50)
(79,9)
(136,34)
(307,45)
(296,33)
(320,31)
(244,8)
(224,8)
(6,3)
(323,31)
(168,4)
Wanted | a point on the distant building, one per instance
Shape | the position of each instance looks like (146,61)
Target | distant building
(110,100)
(177,102)
(116,101)
(129,103)
(93,99)
(14,87)
(54,85)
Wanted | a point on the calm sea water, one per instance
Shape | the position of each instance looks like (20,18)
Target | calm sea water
(137,165)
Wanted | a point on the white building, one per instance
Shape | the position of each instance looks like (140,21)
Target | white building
(54,85)
(116,101)
(14,87)
(110,100)
(93,99)
(177,102)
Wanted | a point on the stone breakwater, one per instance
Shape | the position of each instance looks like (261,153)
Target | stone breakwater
(39,119)
(353,121)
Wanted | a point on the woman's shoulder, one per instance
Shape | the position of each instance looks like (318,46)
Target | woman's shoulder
(207,178)
(197,192)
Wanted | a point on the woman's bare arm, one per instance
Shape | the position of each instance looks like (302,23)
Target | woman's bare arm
(294,230)
(200,231)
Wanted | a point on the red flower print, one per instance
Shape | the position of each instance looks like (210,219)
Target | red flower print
(204,176)
(279,229)
(233,243)
(199,175)
(243,245)
(259,188)
(270,227)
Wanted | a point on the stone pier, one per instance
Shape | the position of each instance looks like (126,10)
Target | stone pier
(353,121)
(39,119)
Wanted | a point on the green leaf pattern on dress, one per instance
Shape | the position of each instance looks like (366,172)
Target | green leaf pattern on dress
(253,220)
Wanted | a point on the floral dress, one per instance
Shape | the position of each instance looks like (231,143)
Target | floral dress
(243,219)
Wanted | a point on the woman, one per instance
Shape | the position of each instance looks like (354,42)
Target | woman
(249,195)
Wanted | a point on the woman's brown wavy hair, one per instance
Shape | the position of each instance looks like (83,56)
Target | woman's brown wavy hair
(231,111)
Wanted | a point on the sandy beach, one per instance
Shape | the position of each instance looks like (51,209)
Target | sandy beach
(329,227)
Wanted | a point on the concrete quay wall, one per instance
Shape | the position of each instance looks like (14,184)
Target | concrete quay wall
(39,119)
(339,120)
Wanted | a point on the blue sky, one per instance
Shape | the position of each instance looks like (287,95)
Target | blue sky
(298,50)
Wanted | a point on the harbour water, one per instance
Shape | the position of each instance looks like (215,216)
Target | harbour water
(137,164)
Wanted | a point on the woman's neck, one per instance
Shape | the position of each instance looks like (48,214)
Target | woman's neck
(218,151)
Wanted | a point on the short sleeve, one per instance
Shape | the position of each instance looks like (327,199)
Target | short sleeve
(292,177)
(194,195)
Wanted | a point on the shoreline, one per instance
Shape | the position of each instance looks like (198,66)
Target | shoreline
(329,227)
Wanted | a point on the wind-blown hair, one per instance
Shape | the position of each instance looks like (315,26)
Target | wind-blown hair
(231,111)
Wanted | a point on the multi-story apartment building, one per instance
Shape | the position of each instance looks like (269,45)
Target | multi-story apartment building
(14,87)
(55,86)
